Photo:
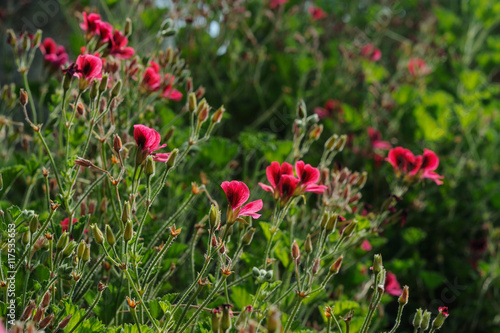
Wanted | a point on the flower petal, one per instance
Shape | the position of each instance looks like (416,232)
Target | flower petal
(237,193)
(251,209)
(266,187)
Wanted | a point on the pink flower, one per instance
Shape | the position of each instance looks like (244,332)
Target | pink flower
(308,177)
(317,13)
(105,31)
(444,311)
(237,194)
(274,173)
(370,52)
(65,223)
(376,140)
(152,78)
(366,246)
(392,286)
(118,46)
(88,67)
(430,162)
(90,23)
(277,3)
(169,92)
(148,140)
(418,67)
(330,106)
(54,54)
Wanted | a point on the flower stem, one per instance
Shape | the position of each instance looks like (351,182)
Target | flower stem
(292,316)
(99,294)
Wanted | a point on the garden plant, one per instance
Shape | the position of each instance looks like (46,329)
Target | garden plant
(249,166)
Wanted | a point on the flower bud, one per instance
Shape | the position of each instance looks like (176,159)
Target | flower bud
(81,249)
(441,317)
(324,220)
(426,320)
(11,38)
(110,237)
(225,320)
(68,250)
(98,236)
(274,320)
(215,320)
(377,264)
(331,223)
(67,81)
(117,143)
(93,89)
(45,300)
(192,104)
(330,143)
(86,253)
(417,319)
(63,240)
(248,236)
(38,38)
(104,83)
(28,310)
(335,267)
(295,251)
(348,231)
(268,276)
(38,314)
(340,144)
(83,162)
(45,322)
(256,272)
(33,223)
(315,266)
(92,205)
(169,134)
(308,247)
(127,234)
(200,92)
(301,110)
(64,322)
(116,89)
(189,84)
(126,212)
(403,299)
(172,157)
(361,181)
(217,117)
(128,27)
(23,97)
(149,170)
(26,42)
(26,238)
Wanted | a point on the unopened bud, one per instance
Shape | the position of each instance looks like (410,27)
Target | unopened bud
(172,157)
(101,286)
(225,320)
(93,89)
(192,104)
(104,83)
(92,205)
(295,251)
(417,320)
(200,92)
(127,234)
(38,314)
(86,253)
(149,170)
(330,143)
(217,117)
(98,236)
(362,180)
(348,231)
(189,84)
(26,238)
(301,110)
(126,214)
(403,299)
(28,310)
(34,224)
(110,237)
(68,250)
(64,322)
(63,240)
(26,42)
(128,27)
(83,162)
(202,117)
(335,267)
(38,38)
(11,38)
(274,320)
(332,223)
(315,266)
(377,264)
(81,249)
(117,143)
(315,132)
(256,272)
(116,89)
(340,144)
(23,97)
(426,320)
(248,236)
(441,317)
(67,81)
(215,320)
(324,220)
(169,134)
(45,300)
(46,321)
(308,247)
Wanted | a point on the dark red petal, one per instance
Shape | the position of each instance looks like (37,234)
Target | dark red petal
(251,209)
(237,193)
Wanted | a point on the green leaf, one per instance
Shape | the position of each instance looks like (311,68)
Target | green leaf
(240,297)
(432,279)
(413,235)
(14,211)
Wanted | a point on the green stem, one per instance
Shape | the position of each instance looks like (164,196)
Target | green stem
(157,258)
(134,315)
(186,307)
(30,96)
(99,294)
(398,318)
(292,316)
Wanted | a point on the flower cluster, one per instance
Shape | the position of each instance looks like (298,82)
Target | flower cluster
(148,140)
(54,55)
(152,81)
(414,167)
(285,185)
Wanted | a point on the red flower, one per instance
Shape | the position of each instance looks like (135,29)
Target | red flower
(444,311)
(105,31)
(168,91)
(287,187)
(366,246)
(403,160)
(65,223)
(430,162)
(90,23)
(274,173)
(308,177)
(376,140)
(277,3)
(392,286)
(331,105)
(118,46)
(152,78)
(148,140)
(370,52)
(418,67)
(88,67)
(237,194)
(54,54)
(317,13)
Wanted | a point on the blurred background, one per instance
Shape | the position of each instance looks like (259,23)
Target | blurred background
(417,74)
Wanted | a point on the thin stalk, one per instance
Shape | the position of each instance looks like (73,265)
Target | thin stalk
(30,96)
(292,316)
(186,307)
(398,318)
(99,294)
